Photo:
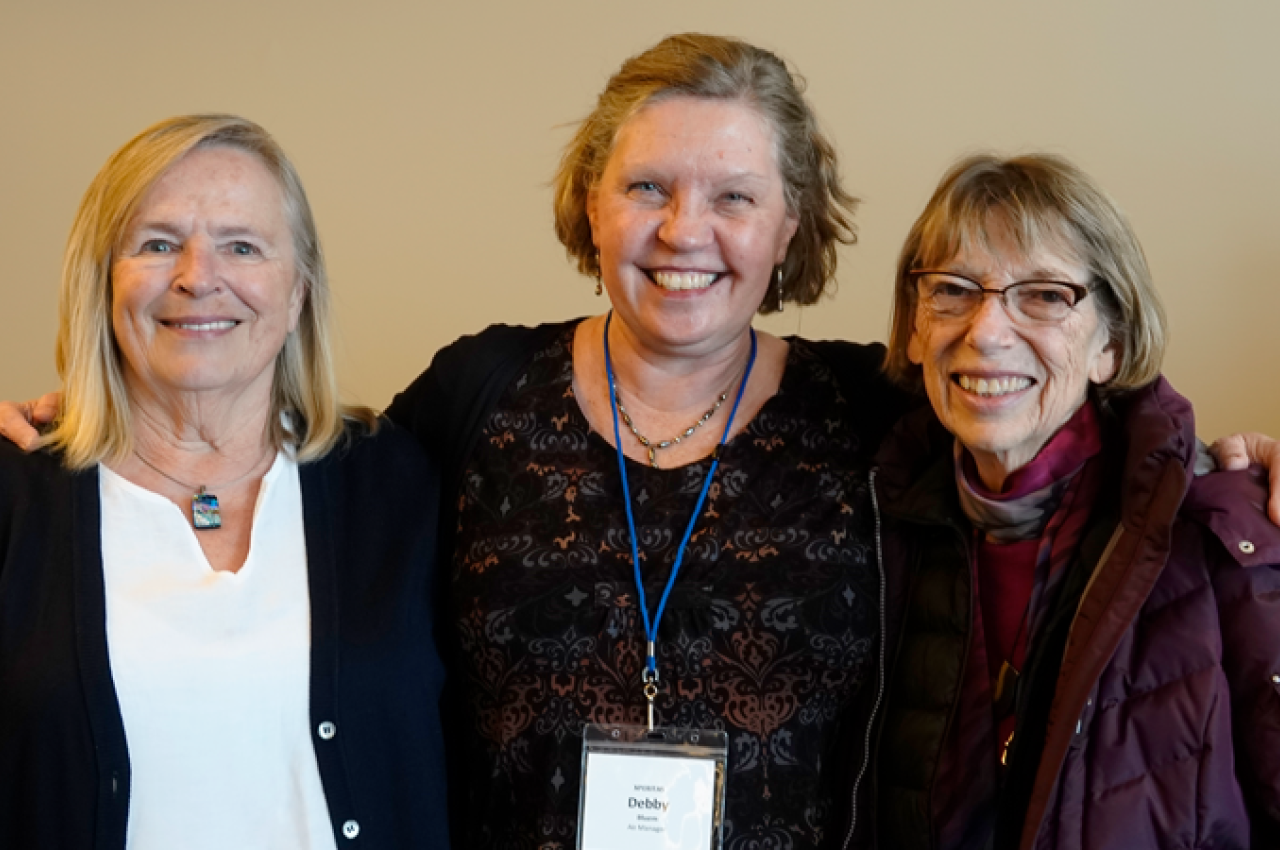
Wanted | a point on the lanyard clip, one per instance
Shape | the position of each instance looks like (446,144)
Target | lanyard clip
(650,692)
(650,678)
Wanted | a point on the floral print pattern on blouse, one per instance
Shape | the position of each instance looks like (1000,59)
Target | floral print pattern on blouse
(768,633)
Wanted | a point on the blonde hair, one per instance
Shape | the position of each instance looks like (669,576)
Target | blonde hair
(95,424)
(1037,201)
(718,68)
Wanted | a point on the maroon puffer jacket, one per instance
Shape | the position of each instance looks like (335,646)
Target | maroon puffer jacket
(1165,724)
(1163,729)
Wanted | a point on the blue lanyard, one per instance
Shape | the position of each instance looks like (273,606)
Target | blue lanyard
(651,627)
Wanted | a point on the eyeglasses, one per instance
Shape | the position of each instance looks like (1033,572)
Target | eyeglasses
(953,296)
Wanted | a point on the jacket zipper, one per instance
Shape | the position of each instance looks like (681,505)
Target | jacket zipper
(964,663)
(880,683)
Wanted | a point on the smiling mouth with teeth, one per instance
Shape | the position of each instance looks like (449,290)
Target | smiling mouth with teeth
(225,325)
(683,281)
(993,386)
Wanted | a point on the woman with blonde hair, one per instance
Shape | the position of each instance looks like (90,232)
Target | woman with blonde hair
(215,616)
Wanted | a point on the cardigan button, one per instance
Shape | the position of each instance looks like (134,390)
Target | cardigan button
(327,730)
(350,829)
(1246,547)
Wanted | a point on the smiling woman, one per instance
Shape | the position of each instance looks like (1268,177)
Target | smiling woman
(691,215)
(710,560)
(212,566)
(1001,380)
(94,424)
(205,285)
(1091,635)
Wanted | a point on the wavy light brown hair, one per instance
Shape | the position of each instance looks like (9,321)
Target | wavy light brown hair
(1037,201)
(96,420)
(718,68)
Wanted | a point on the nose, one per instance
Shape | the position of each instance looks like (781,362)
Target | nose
(197,270)
(990,327)
(685,225)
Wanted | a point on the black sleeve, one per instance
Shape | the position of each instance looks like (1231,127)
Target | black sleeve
(878,400)
(445,407)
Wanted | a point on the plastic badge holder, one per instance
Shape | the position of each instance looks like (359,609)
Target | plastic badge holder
(650,790)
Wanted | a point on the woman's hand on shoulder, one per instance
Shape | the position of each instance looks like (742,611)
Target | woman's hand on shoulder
(1238,451)
(20,420)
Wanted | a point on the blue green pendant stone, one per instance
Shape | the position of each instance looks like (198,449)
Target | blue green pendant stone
(204,510)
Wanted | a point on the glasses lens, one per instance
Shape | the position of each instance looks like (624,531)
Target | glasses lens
(949,296)
(1042,301)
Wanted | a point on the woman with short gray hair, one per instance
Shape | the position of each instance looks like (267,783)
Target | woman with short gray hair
(1088,647)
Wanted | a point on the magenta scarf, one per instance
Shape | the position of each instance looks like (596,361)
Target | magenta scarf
(1042,499)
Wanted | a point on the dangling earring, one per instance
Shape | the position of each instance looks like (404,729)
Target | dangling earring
(599,283)
(777,277)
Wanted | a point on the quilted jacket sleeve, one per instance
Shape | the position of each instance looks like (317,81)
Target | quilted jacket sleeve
(1246,576)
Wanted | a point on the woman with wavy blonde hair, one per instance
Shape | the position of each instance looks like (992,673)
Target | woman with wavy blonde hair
(215,618)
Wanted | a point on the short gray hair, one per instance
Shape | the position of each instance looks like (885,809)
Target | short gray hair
(1038,200)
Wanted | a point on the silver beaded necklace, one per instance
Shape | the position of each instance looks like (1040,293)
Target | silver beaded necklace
(654,447)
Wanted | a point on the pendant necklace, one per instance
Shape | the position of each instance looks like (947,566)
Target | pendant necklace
(1004,693)
(653,447)
(205,512)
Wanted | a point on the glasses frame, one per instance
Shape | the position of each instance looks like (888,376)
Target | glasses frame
(1080,290)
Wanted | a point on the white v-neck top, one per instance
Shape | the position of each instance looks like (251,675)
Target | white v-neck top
(212,671)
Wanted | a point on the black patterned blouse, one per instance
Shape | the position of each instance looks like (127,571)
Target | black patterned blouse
(767,635)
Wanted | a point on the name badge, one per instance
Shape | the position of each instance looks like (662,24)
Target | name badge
(651,790)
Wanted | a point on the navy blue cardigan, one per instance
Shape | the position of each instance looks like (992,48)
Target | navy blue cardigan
(369,509)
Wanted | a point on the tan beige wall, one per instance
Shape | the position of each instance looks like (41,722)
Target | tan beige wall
(427,131)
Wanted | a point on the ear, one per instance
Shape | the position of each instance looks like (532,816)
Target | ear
(789,228)
(1105,364)
(593,203)
(915,343)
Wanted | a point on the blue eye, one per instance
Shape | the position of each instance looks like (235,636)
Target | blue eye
(643,186)
(157,246)
(244,249)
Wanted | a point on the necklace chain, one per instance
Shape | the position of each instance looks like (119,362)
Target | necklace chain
(653,447)
(202,488)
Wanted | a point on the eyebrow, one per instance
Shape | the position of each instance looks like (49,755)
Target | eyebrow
(1047,274)
(233,231)
(744,174)
(642,170)
(156,227)
(1038,273)
(225,232)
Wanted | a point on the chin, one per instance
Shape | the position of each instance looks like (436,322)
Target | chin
(987,440)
